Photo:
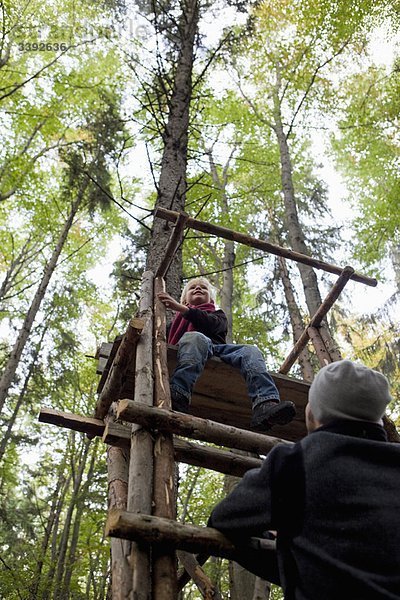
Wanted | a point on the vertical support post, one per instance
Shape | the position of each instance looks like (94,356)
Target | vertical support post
(320,348)
(140,487)
(331,346)
(117,473)
(164,559)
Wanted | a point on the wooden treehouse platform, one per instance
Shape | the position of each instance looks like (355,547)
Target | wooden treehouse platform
(145,437)
(220,393)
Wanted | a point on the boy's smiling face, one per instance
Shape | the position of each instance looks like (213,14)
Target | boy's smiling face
(197,293)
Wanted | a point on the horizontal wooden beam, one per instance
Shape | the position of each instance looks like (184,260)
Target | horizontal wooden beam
(89,425)
(116,434)
(125,355)
(229,234)
(199,455)
(195,428)
(191,538)
(317,318)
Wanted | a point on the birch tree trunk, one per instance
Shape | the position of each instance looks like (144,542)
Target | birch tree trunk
(172,181)
(10,369)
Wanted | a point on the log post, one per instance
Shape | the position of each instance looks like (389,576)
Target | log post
(125,355)
(164,559)
(320,348)
(330,344)
(203,582)
(117,474)
(317,318)
(140,487)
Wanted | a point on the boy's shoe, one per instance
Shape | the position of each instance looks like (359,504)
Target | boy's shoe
(179,402)
(267,414)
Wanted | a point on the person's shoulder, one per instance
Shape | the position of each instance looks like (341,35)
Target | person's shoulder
(286,455)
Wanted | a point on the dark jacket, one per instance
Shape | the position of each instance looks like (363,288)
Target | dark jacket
(334,499)
(212,324)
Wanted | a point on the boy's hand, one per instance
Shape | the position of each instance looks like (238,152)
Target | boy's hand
(169,302)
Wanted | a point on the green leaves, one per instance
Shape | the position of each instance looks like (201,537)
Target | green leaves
(367,150)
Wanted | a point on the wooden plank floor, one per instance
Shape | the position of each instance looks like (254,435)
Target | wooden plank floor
(220,395)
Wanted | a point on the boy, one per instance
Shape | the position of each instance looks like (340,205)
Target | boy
(200,331)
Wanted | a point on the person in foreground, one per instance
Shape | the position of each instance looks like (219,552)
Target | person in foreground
(200,331)
(333,498)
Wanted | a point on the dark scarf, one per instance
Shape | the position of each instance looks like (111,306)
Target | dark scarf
(180,325)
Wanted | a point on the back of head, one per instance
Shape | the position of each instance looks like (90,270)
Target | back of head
(348,390)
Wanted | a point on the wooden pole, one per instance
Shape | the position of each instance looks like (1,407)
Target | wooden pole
(165,585)
(173,244)
(208,457)
(94,427)
(117,475)
(229,234)
(316,320)
(330,344)
(140,488)
(196,428)
(124,356)
(191,538)
(184,577)
(116,434)
(203,582)
(320,348)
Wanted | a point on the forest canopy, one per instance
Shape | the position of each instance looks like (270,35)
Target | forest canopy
(277,119)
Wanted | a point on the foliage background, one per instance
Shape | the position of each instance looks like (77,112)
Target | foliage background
(80,130)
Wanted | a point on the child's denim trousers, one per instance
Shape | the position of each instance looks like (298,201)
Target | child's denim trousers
(194,349)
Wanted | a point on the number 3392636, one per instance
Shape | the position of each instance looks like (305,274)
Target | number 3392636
(42,46)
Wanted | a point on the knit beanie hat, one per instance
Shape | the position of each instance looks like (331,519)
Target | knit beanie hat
(348,390)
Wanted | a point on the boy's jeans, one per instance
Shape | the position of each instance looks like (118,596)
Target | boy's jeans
(194,349)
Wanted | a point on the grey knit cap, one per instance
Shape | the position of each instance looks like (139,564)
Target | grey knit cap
(348,390)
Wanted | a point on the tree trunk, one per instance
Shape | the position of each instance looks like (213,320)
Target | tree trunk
(229,246)
(55,508)
(80,507)
(51,532)
(294,229)
(243,585)
(7,436)
(241,582)
(295,320)
(262,589)
(172,182)
(26,255)
(8,375)
(63,545)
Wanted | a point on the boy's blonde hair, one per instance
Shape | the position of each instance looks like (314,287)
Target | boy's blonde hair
(203,280)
